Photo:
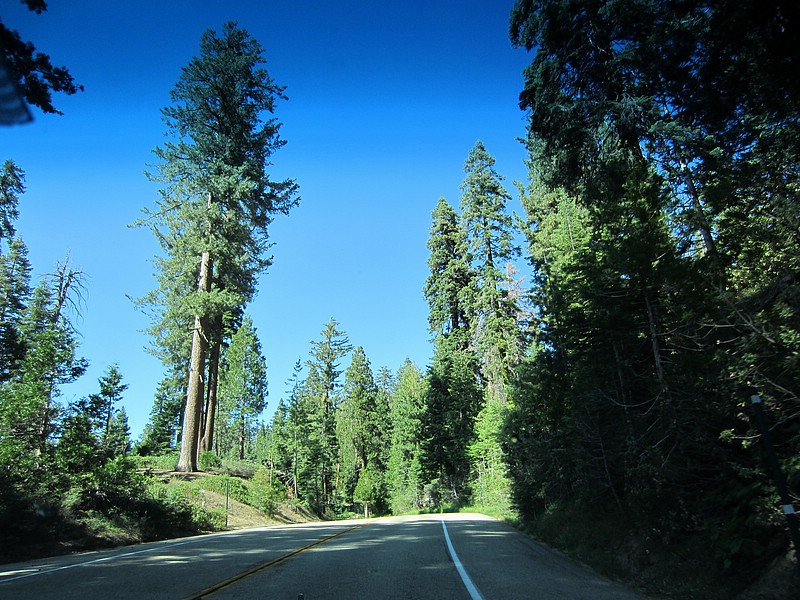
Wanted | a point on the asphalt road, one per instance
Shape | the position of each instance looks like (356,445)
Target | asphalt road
(458,556)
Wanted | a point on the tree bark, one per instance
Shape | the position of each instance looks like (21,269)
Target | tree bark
(652,319)
(242,426)
(187,461)
(700,219)
(207,442)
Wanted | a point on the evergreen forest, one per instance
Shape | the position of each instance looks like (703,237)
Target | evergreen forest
(607,402)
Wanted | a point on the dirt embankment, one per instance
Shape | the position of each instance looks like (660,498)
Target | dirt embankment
(79,533)
(240,515)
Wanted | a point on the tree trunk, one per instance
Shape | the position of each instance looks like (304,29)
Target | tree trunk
(207,443)
(700,219)
(294,468)
(187,461)
(652,319)
(241,437)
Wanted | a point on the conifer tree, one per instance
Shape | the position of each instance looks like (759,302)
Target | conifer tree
(218,200)
(12,185)
(452,395)
(296,431)
(15,275)
(321,400)
(243,387)
(404,475)
(489,231)
(118,440)
(15,271)
(161,431)
(32,71)
(453,399)
(360,433)
(102,410)
(29,411)
(450,287)
(662,135)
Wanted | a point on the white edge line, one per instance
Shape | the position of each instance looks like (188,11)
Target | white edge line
(45,571)
(156,546)
(473,591)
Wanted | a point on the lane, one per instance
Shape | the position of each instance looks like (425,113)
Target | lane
(407,558)
(504,563)
(472,590)
(398,558)
(172,569)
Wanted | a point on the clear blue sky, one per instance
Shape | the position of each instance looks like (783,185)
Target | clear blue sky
(385,102)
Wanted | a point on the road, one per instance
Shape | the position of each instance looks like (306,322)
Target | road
(456,556)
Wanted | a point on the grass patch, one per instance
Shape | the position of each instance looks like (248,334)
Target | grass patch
(500,512)
(161,462)
(238,489)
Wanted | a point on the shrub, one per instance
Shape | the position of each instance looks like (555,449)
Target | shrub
(265,495)
(208,460)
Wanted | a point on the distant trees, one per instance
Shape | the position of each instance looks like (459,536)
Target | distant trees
(215,208)
(94,431)
(361,433)
(352,445)
(242,389)
(108,421)
(321,400)
(405,479)
(477,336)
(162,430)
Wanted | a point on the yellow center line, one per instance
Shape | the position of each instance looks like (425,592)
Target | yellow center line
(213,589)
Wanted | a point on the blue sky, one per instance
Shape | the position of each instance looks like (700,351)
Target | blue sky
(385,102)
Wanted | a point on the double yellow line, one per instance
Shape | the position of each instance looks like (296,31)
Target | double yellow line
(252,571)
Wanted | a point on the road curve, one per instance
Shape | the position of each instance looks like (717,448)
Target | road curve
(456,556)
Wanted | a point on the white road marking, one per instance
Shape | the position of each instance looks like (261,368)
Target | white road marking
(473,591)
(45,570)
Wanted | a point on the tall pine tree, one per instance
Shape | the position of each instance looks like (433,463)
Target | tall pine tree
(218,200)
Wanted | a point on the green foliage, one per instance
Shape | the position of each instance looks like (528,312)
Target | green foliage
(159,462)
(361,432)
(490,483)
(236,488)
(265,491)
(453,399)
(160,432)
(665,267)
(12,185)
(15,274)
(494,311)
(179,508)
(370,489)
(404,473)
(449,288)
(242,391)
(318,403)
(208,461)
